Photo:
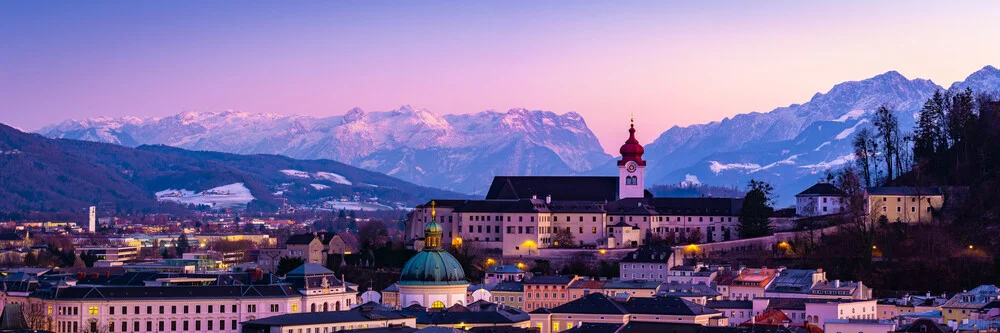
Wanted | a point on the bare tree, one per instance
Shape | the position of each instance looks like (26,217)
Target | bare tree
(37,317)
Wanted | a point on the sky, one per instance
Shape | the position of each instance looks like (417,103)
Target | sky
(669,63)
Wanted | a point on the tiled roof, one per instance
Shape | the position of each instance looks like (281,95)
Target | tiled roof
(929,190)
(503,206)
(631,284)
(792,281)
(360,313)
(496,315)
(509,286)
(594,303)
(666,306)
(573,188)
(729,304)
(649,255)
(300,239)
(822,189)
(595,328)
(550,279)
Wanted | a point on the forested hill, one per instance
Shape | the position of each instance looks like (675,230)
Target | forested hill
(42,174)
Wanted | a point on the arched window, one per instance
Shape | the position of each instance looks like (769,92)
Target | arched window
(326,307)
(336,306)
(437,305)
(313,308)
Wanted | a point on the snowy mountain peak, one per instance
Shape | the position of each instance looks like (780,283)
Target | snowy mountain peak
(986,79)
(353,115)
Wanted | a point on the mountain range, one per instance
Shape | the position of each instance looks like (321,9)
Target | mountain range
(455,152)
(791,146)
(43,174)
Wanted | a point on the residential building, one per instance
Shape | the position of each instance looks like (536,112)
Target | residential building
(509,293)
(369,315)
(820,199)
(737,311)
(697,293)
(904,204)
(122,254)
(476,316)
(963,305)
(859,326)
(547,291)
(585,286)
(601,309)
(698,273)
(633,288)
(889,308)
(503,273)
(646,263)
(751,283)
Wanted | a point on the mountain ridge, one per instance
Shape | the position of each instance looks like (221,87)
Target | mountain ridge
(394,142)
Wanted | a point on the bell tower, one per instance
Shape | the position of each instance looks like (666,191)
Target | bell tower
(631,168)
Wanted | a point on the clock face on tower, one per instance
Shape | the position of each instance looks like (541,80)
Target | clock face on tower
(630,167)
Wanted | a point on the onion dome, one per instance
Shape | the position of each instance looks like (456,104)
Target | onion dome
(631,150)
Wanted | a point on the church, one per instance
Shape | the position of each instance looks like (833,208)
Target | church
(520,214)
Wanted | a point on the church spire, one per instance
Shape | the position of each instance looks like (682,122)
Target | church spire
(433,231)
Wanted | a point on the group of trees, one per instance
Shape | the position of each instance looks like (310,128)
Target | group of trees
(955,141)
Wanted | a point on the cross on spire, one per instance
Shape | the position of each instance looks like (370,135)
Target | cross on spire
(433,210)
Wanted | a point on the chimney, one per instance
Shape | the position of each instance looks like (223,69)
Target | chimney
(534,197)
(548,199)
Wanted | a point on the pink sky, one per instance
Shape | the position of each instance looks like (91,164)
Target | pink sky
(669,63)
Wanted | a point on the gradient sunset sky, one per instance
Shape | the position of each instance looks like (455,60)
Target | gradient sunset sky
(671,63)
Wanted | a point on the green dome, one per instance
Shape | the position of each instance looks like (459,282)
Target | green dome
(432,267)
(433,226)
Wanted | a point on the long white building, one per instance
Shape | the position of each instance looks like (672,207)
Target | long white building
(520,214)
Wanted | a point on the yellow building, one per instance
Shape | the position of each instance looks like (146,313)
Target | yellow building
(963,305)
(509,293)
(904,204)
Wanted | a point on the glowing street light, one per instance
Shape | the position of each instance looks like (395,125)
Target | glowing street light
(603,251)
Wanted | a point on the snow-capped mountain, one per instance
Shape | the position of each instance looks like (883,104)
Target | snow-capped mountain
(792,147)
(457,152)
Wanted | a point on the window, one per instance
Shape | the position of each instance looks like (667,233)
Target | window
(111,310)
(234,308)
(173,309)
(593,230)
(93,311)
(437,305)
(185,309)
(295,308)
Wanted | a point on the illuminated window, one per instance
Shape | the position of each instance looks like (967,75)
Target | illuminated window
(93,311)
(437,305)
(295,308)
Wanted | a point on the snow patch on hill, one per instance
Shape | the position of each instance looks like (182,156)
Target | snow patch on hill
(228,196)
(333,178)
(847,132)
(717,167)
(319,187)
(330,176)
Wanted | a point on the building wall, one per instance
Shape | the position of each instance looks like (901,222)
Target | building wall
(545,296)
(859,327)
(907,209)
(644,271)
(511,299)
(587,228)
(427,295)
(818,205)
(558,322)
(334,327)
(818,313)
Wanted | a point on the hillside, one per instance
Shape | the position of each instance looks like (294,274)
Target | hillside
(59,175)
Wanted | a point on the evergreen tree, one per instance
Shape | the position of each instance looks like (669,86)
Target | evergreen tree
(864,153)
(929,137)
(183,246)
(757,210)
(287,264)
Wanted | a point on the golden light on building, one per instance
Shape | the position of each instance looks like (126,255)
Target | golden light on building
(521,265)
(603,251)
(456,242)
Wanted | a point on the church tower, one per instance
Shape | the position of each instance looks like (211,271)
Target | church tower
(631,168)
